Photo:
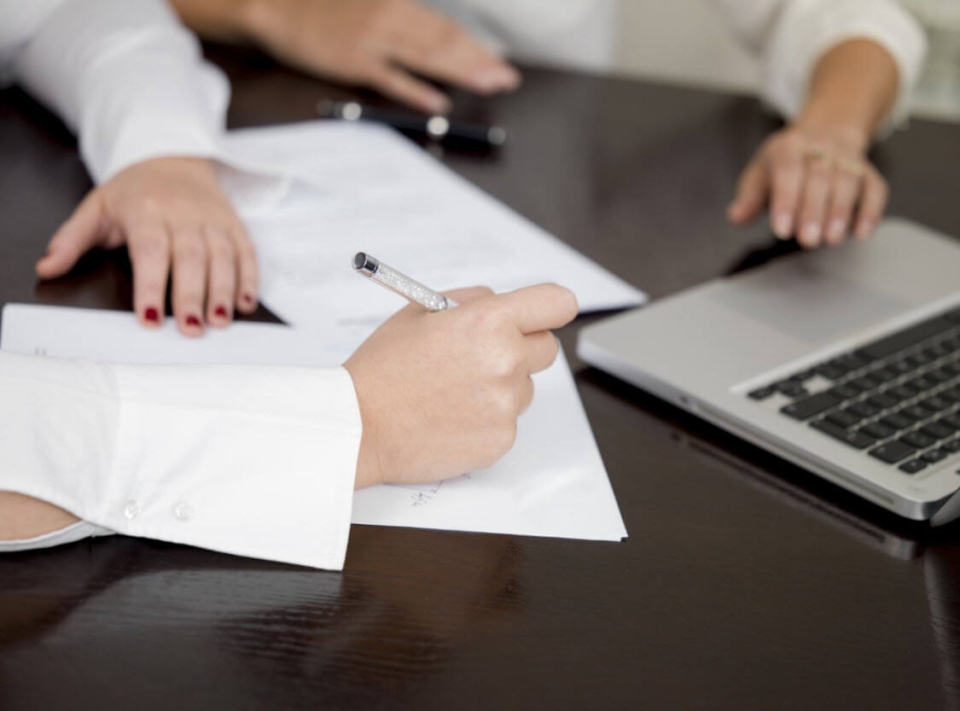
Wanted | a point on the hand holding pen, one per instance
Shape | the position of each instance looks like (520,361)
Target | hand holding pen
(440,390)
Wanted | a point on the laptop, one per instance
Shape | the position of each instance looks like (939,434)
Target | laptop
(845,361)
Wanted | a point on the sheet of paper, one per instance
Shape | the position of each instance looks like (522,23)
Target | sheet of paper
(553,483)
(362,187)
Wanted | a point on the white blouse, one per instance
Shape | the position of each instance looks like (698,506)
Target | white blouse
(789,36)
(255,461)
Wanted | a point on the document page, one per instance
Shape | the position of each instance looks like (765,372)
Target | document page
(552,483)
(362,187)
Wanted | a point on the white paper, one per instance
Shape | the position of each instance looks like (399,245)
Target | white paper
(362,187)
(553,483)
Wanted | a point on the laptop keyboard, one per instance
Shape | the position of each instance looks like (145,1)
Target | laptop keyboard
(897,399)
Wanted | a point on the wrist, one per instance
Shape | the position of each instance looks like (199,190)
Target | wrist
(851,133)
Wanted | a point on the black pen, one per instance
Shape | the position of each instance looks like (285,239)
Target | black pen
(435,127)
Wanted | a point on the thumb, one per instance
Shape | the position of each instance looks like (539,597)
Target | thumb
(81,232)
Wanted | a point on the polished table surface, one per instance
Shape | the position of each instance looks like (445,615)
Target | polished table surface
(745,583)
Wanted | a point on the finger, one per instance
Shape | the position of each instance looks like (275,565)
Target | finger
(441,50)
(248,274)
(541,307)
(222,277)
(873,202)
(525,394)
(752,191)
(787,173)
(846,186)
(462,296)
(149,248)
(189,279)
(813,210)
(400,86)
(540,350)
(82,231)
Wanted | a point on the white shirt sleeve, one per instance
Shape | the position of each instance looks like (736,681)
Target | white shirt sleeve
(257,461)
(124,75)
(792,36)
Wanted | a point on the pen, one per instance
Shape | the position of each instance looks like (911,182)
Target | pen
(400,283)
(436,127)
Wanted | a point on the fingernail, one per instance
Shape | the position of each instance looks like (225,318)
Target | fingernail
(151,314)
(865,229)
(837,228)
(782,225)
(811,233)
(221,311)
(193,320)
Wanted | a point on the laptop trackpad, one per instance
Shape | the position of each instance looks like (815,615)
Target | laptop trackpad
(808,303)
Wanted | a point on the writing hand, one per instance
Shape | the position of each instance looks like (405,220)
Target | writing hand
(440,392)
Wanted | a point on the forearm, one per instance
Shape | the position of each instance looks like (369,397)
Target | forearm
(853,87)
(23,517)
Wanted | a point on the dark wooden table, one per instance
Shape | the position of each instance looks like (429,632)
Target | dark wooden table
(745,582)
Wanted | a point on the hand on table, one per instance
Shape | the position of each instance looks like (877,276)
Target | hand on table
(819,186)
(380,44)
(177,223)
(440,393)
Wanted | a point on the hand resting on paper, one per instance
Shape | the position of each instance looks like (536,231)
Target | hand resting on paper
(440,393)
(178,225)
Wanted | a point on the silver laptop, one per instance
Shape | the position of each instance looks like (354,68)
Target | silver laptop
(845,361)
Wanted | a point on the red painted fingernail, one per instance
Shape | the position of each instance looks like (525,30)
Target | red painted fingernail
(193,320)
(221,311)
(151,314)
(247,298)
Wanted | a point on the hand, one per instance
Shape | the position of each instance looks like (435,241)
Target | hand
(819,186)
(440,393)
(380,44)
(176,222)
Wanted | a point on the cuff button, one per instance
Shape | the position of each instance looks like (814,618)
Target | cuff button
(183,511)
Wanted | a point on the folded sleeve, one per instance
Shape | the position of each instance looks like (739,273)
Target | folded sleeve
(257,461)
(792,36)
(128,79)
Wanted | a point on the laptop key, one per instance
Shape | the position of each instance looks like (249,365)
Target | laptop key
(791,389)
(844,419)
(934,456)
(883,401)
(857,440)
(953,446)
(901,392)
(936,403)
(937,431)
(864,409)
(810,406)
(831,371)
(893,452)
(762,393)
(878,430)
(897,421)
(950,421)
(913,466)
(909,337)
(918,439)
(845,392)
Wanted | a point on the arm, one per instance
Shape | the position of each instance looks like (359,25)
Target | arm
(262,461)
(148,113)
(381,44)
(841,71)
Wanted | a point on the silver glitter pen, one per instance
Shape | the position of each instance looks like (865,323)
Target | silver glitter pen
(400,283)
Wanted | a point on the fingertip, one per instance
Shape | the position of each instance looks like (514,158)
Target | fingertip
(810,235)
(190,326)
(150,317)
(219,316)
(246,303)
(782,225)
